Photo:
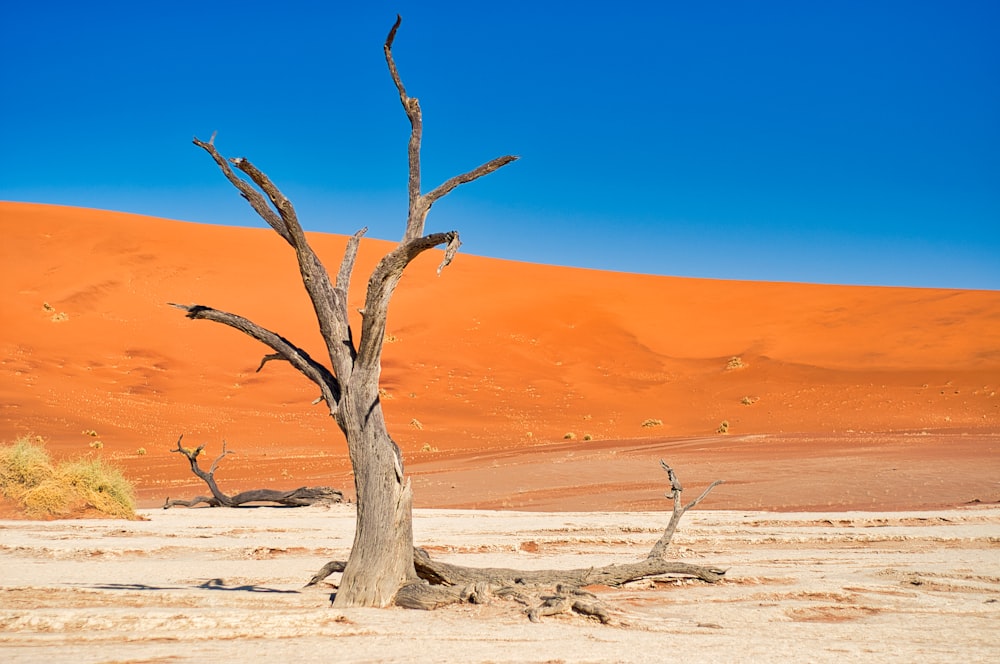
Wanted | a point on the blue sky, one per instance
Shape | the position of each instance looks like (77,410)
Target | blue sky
(831,142)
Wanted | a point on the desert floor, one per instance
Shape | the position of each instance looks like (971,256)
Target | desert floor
(227,585)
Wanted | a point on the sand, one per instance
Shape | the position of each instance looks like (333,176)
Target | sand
(226,585)
(509,386)
(842,398)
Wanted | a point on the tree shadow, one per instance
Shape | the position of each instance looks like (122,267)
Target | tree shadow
(220,584)
(130,586)
(211,584)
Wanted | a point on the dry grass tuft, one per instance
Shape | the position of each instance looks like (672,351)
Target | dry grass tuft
(28,477)
(735,362)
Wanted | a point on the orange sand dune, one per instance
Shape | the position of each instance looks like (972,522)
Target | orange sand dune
(490,366)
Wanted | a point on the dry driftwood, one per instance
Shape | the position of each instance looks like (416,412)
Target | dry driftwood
(295,498)
(440,583)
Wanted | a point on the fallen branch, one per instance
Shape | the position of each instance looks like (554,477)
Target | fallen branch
(300,497)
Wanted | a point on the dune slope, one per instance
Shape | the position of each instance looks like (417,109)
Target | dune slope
(493,358)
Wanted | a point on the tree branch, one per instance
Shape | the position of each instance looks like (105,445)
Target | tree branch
(659,549)
(327,302)
(383,282)
(347,265)
(298,358)
(256,200)
(414,222)
(449,185)
(295,498)
(209,477)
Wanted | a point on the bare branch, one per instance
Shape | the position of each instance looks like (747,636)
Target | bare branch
(660,548)
(223,455)
(449,252)
(387,48)
(347,265)
(294,498)
(329,305)
(414,223)
(381,285)
(298,358)
(256,200)
(208,478)
(278,200)
(449,185)
(267,358)
(283,219)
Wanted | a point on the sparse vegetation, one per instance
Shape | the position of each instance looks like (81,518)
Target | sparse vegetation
(428,448)
(569,436)
(97,444)
(749,401)
(28,477)
(652,423)
(416,424)
(141,451)
(587,436)
(735,362)
(723,427)
(57,317)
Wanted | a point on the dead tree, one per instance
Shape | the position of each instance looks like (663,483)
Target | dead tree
(381,560)
(300,497)
(441,583)
(381,566)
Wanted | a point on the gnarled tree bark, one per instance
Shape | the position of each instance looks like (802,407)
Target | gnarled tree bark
(300,497)
(381,560)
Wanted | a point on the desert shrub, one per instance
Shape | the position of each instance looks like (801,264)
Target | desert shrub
(569,436)
(28,477)
(23,466)
(735,363)
(749,401)
(99,485)
(723,427)
(141,451)
(587,436)
(652,423)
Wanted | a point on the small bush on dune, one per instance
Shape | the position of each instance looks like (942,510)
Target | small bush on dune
(28,478)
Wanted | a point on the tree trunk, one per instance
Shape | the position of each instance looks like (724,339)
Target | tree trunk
(381,559)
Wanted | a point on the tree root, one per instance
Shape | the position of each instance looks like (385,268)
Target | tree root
(439,583)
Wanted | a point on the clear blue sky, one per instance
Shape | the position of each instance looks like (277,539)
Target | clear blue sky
(833,142)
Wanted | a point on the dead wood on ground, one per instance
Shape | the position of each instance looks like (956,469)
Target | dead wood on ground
(543,592)
(300,497)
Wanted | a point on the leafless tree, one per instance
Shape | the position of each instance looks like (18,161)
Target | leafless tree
(381,566)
